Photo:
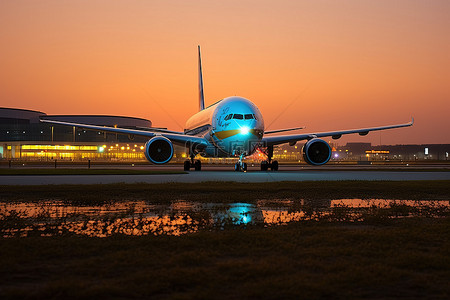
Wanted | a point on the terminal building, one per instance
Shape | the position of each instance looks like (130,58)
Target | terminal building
(24,137)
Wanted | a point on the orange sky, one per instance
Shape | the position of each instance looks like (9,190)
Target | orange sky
(326,65)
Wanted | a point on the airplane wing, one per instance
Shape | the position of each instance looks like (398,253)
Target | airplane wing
(283,130)
(292,138)
(176,138)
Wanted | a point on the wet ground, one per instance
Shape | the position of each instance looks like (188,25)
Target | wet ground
(55,218)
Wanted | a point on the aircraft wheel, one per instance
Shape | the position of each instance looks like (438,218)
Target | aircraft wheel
(244,167)
(264,165)
(198,165)
(274,165)
(237,167)
(187,165)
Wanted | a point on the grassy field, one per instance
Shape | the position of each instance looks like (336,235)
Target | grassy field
(406,258)
(231,191)
(379,258)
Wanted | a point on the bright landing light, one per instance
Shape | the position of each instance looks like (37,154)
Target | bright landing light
(245,130)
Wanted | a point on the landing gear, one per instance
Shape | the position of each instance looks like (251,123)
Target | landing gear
(196,164)
(274,166)
(240,165)
(266,164)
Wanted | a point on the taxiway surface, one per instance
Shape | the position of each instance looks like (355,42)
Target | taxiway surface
(204,176)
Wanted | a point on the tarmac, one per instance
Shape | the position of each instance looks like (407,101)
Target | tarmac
(231,176)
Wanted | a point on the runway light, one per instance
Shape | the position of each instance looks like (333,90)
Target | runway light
(245,130)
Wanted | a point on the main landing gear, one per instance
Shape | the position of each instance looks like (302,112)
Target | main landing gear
(196,164)
(269,164)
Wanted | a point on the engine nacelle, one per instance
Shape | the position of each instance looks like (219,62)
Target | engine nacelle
(316,152)
(158,150)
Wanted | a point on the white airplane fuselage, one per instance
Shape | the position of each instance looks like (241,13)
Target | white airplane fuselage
(233,126)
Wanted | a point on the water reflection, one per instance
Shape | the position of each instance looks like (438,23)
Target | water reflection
(50,218)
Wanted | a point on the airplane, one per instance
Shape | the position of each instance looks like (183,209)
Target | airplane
(231,127)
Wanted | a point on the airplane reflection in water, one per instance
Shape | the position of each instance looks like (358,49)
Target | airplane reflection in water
(140,218)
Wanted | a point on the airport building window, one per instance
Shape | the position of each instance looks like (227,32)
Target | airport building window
(58,147)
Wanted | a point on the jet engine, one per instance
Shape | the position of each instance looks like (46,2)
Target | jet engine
(316,152)
(158,150)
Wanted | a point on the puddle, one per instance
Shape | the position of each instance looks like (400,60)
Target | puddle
(52,218)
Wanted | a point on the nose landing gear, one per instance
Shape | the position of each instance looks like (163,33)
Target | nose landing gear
(240,165)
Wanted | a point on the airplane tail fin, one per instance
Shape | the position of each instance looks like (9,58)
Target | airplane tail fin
(201,96)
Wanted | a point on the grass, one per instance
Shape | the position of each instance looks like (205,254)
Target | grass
(229,192)
(379,258)
(407,258)
(58,172)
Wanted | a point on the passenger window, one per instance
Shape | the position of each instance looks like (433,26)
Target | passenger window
(248,116)
(238,116)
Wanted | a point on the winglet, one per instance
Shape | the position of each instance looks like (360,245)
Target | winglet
(201,96)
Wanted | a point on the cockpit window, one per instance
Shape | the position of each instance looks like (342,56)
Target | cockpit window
(255,117)
(240,117)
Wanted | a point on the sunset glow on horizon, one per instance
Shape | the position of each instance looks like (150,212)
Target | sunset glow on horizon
(326,65)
